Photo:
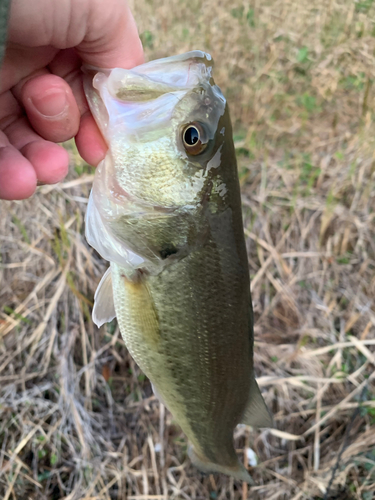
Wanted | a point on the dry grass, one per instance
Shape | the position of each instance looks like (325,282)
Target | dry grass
(78,419)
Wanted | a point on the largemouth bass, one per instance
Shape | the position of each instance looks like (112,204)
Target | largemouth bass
(165,211)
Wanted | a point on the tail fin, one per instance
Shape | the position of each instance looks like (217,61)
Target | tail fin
(237,472)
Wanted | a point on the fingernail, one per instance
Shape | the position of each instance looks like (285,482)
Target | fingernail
(50,104)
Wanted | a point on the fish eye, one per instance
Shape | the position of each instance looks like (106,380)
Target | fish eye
(193,138)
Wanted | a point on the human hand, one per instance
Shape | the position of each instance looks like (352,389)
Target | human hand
(41,94)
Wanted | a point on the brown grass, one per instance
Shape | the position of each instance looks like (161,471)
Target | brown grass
(78,419)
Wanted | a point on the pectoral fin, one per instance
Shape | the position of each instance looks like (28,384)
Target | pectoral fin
(104,308)
(256,412)
(142,309)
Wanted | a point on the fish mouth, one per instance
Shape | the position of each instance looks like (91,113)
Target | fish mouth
(181,72)
(126,101)
(151,80)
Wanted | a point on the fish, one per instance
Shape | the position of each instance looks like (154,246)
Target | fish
(165,211)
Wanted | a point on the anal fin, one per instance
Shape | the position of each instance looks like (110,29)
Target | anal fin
(256,413)
(104,308)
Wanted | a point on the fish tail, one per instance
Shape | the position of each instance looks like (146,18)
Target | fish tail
(237,471)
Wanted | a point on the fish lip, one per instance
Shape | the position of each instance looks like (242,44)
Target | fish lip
(91,70)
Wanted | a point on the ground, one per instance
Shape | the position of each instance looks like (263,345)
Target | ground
(78,418)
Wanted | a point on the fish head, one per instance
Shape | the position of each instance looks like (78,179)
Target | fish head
(160,121)
(163,122)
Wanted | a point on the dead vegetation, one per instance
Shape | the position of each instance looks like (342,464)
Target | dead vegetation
(78,419)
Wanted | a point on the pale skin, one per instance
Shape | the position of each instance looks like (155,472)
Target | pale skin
(41,96)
